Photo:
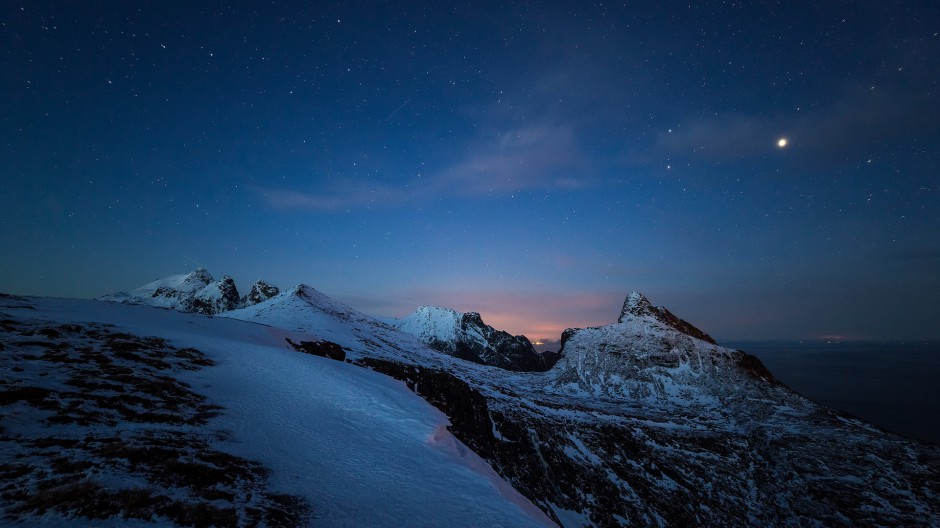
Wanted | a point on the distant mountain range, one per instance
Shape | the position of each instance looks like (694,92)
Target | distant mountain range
(195,292)
(642,422)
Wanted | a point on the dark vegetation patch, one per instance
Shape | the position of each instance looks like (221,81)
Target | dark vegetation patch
(94,425)
(326,349)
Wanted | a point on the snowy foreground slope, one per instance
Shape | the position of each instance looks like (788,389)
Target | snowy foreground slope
(642,422)
(130,415)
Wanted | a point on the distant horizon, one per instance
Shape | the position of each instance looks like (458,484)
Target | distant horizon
(515,322)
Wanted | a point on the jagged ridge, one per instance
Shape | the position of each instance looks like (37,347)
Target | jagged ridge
(195,292)
(466,336)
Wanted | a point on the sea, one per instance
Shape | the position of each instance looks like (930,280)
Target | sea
(894,385)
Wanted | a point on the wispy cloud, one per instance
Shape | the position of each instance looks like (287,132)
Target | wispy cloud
(532,157)
(526,141)
(538,157)
(350,195)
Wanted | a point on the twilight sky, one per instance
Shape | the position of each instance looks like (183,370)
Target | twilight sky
(531,161)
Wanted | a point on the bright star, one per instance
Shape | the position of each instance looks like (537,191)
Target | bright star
(782,142)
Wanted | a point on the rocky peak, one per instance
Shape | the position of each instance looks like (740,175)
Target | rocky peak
(200,274)
(637,305)
(466,336)
(216,297)
(472,319)
(304,291)
(260,291)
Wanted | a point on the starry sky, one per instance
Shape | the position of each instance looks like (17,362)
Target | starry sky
(533,161)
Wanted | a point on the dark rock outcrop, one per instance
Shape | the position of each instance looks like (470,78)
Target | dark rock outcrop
(260,291)
(326,349)
(217,297)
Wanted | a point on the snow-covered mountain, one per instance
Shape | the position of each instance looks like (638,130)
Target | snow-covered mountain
(195,292)
(118,415)
(644,421)
(466,336)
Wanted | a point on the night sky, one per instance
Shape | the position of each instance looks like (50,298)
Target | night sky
(531,161)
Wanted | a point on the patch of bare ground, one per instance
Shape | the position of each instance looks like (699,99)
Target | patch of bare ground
(95,424)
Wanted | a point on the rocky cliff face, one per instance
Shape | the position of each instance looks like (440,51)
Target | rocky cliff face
(216,297)
(466,336)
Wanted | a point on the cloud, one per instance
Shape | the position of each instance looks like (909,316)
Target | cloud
(532,157)
(349,195)
(528,141)
(538,157)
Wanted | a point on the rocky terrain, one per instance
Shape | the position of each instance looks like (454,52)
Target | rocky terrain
(195,292)
(466,336)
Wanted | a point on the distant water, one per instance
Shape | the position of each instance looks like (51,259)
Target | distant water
(893,385)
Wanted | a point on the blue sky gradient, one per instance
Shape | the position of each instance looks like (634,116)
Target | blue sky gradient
(533,162)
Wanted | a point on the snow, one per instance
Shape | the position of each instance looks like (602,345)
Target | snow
(431,322)
(360,447)
(168,292)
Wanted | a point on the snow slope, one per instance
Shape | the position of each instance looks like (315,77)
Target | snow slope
(358,447)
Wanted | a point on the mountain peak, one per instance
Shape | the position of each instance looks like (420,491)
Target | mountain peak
(428,309)
(637,305)
(201,274)
(260,292)
(303,290)
(464,335)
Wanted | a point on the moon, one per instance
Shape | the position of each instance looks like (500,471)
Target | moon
(782,142)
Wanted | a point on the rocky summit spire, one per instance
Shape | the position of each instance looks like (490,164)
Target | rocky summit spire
(260,291)
(636,305)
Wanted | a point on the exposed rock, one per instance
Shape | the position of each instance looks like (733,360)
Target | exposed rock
(195,292)
(466,336)
(216,297)
(260,291)
(324,349)
(638,305)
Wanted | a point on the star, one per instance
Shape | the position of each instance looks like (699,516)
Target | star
(782,142)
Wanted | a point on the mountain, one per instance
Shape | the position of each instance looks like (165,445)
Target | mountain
(120,415)
(260,291)
(642,422)
(466,336)
(636,305)
(194,292)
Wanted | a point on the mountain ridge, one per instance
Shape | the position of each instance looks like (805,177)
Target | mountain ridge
(640,422)
(196,291)
(466,336)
